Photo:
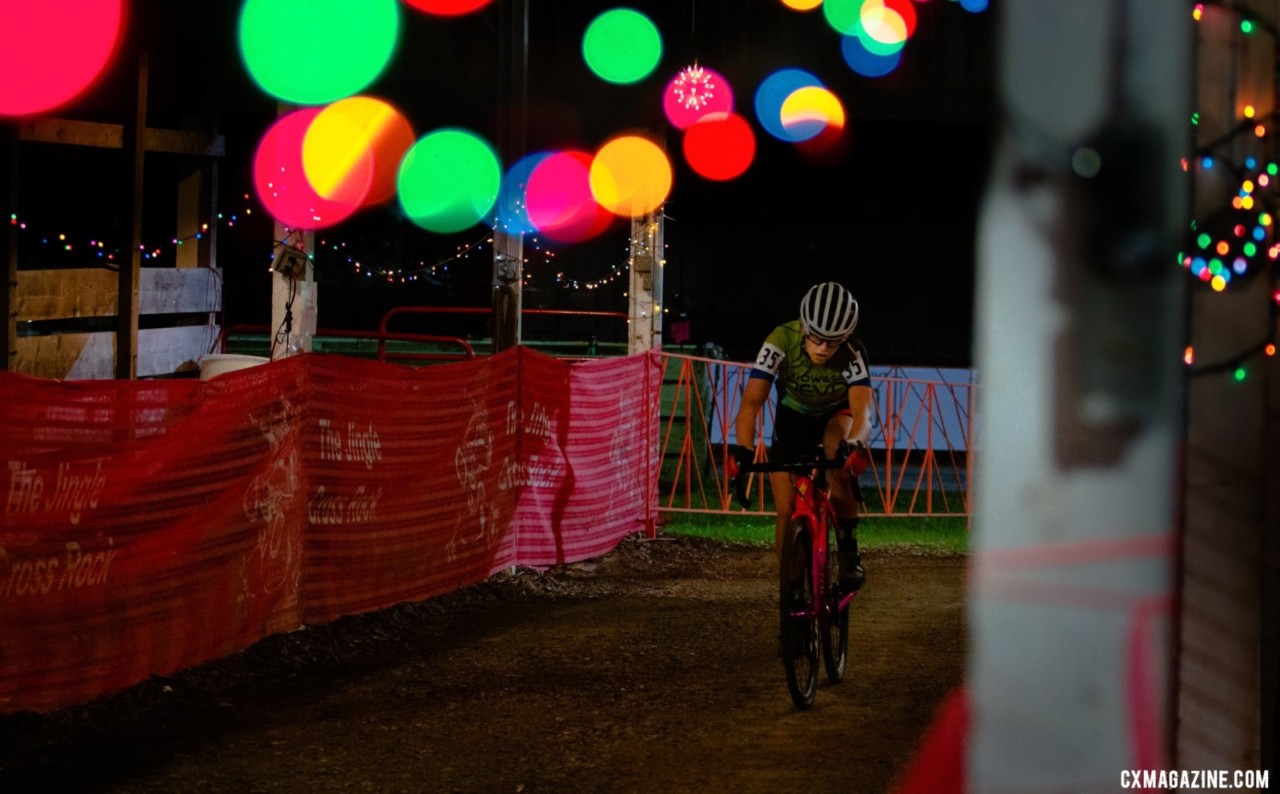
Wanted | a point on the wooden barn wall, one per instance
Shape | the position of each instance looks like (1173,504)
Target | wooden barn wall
(1221,654)
(189,299)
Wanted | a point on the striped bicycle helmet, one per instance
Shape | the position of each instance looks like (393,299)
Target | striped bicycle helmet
(828,311)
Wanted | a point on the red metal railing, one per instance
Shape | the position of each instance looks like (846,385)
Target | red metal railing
(474,310)
(465,352)
(401,311)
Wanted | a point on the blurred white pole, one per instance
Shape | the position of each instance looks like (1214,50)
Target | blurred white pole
(1079,327)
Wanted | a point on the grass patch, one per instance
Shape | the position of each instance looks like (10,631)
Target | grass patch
(915,533)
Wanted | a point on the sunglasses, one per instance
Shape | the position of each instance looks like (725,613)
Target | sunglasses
(827,344)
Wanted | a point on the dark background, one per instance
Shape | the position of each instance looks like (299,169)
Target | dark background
(892,215)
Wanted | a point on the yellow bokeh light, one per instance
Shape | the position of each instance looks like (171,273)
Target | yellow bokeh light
(1218,283)
(1247,202)
(630,176)
(812,104)
(1248,111)
(802,5)
(1247,186)
(357,138)
(883,24)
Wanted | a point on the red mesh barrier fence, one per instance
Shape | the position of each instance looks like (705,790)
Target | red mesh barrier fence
(152,526)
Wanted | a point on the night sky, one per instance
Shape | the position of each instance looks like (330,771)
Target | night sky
(892,217)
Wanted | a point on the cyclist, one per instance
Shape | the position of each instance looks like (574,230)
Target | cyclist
(824,396)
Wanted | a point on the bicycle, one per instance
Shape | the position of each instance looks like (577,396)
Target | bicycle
(812,609)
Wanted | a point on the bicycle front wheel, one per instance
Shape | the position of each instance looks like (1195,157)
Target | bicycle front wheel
(798,618)
(835,624)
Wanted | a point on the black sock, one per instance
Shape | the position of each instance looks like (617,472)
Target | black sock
(847,537)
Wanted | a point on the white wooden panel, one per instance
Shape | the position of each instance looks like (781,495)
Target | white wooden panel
(174,290)
(166,351)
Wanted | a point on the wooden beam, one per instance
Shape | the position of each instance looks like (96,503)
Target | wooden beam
(199,144)
(65,294)
(78,133)
(9,234)
(92,292)
(127,320)
(111,136)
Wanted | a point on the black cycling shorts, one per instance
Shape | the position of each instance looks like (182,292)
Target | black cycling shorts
(796,434)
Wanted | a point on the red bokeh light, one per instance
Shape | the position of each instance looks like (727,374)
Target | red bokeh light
(281,181)
(907,10)
(559,200)
(52,50)
(720,147)
(448,8)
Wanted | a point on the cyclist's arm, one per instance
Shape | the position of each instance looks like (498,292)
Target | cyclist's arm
(860,400)
(770,361)
(754,396)
(858,377)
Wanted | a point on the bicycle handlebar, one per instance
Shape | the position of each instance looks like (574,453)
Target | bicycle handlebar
(798,466)
(804,466)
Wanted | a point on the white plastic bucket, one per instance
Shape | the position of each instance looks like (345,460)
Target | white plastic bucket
(219,363)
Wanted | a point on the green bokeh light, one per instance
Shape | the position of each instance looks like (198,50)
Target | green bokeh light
(844,16)
(622,46)
(312,52)
(449,180)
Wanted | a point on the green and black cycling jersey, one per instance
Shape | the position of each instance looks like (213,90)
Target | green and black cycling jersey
(803,386)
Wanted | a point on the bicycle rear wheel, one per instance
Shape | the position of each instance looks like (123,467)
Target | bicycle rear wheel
(799,622)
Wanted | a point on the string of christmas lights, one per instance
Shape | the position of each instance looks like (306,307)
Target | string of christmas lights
(539,268)
(1237,241)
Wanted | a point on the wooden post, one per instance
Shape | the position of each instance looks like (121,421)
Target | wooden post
(197,202)
(644,302)
(293,292)
(508,278)
(508,248)
(127,306)
(9,293)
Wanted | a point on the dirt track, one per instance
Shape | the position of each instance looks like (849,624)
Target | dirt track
(651,669)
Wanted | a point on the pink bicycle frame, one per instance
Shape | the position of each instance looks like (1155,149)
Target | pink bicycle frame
(814,508)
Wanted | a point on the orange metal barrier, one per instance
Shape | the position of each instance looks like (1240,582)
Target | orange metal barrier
(920,441)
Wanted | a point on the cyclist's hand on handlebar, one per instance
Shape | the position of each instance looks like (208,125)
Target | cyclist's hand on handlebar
(858,457)
(740,458)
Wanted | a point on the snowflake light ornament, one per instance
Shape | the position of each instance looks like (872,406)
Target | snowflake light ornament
(695,87)
(694,92)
